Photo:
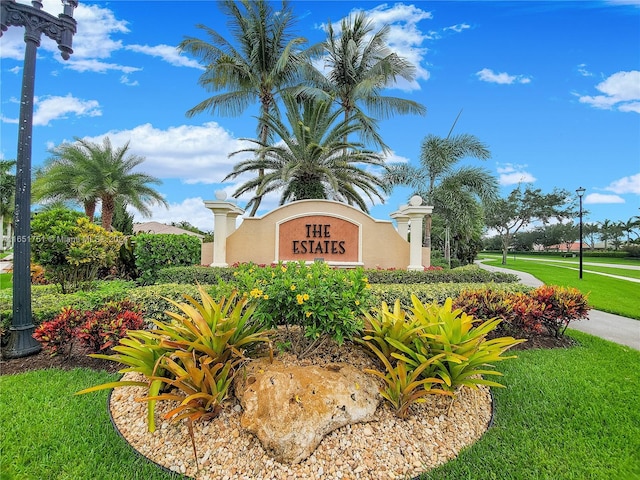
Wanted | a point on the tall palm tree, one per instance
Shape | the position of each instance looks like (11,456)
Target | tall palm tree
(89,172)
(360,66)
(451,191)
(312,161)
(263,59)
(7,196)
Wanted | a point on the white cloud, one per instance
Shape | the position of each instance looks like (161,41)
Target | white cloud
(457,28)
(168,53)
(98,66)
(625,185)
(15,70)
(191,153)
(596,198)
(48,108)
(582,70)
(488,75)
(621,90)
(510,174)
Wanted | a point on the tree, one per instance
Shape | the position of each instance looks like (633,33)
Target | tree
(360,65)
(607,232)
(523,207)
(313,160)
(453,193)
(89,172)
(122,220)
(7,196)
(262,60)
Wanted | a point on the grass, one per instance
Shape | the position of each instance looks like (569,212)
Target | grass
(565,414)
(605,293)
(6,280)
(47,432)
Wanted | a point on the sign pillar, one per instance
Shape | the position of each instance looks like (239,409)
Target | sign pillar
(403,222)
(223,212)
(416,212)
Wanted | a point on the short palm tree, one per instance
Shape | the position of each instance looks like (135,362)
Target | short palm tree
(88,172)
(360,66)
(263,59)
(452,192)
(312,160)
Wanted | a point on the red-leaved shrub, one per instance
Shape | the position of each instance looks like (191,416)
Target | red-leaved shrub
(98,330)
(545,309)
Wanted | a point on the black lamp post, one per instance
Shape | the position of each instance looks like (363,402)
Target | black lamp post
(580,191)
(61,29)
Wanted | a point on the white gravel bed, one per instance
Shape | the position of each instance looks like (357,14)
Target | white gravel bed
(387,448)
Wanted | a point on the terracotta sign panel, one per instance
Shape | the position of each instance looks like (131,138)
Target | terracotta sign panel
(319,237)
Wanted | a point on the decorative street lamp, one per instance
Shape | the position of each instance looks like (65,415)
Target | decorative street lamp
(61,29)
(580,191)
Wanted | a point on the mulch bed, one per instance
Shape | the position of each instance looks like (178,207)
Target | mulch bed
(43,360)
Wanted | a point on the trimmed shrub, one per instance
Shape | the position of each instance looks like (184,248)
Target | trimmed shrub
(194,274)
(434,292)
(47,302)
(466,274)
(156,251)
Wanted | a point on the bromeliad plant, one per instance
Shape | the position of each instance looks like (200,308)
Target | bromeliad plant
(196,352)
(433,344)
(467,352)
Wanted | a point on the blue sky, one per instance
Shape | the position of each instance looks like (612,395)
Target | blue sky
(553,89)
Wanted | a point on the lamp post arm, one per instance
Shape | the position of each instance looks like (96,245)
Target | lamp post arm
(36,22)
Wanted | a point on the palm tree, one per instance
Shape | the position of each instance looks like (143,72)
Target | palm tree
(312,161)
(452,192)
(264,60)
(360,65)
(88,172)
(7,195)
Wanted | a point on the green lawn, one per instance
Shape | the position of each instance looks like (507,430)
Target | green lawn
(565,414)
(607,294)
(6,280)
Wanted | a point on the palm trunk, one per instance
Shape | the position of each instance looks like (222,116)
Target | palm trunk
(108,207)
(264,137)
(90,209)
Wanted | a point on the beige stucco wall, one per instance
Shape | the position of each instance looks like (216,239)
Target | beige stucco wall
(255,239)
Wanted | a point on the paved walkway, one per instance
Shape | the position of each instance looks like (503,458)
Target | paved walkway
(622,330)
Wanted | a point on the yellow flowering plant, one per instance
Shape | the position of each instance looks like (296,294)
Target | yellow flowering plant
(322,300)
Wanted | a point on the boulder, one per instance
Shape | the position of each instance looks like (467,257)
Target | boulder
(291,408)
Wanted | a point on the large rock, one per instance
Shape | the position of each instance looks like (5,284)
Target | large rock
(291,408)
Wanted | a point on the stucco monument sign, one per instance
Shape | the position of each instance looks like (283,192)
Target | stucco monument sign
(312,230)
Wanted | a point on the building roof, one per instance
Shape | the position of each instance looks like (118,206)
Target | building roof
(157,227)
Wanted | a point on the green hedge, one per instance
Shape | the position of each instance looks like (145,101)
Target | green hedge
(439,292)
(466,274)
(155,251)
(46,301)
(197,274)
(153,298)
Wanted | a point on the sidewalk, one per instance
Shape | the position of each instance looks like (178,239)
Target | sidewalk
(6,262)
(622,330)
